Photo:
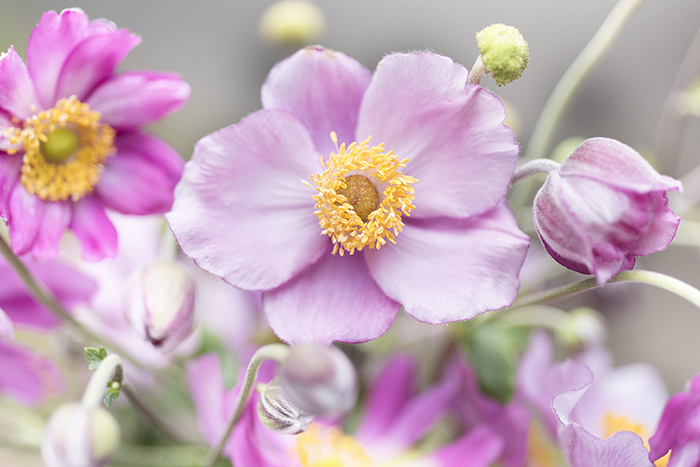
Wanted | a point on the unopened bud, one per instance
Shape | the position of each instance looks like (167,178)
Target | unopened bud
(159,303)
(279,414)
(292,22)
(504,52)
(80,436)
(319,380)
(582,327)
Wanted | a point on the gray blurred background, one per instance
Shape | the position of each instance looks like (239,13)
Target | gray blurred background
(214,45)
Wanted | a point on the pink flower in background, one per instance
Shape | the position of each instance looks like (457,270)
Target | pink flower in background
(330,243)
(603,207)
(72,136)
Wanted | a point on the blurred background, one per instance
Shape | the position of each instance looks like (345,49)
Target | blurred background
(215,45)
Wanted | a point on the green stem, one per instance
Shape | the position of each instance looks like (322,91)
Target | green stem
(657,279)
(110,369)
(277,352)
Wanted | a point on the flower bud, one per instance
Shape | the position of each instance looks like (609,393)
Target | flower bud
(292,22)
(582,328)
(159,303)
(319,380)
(280,415)
(504,52)
(80,436)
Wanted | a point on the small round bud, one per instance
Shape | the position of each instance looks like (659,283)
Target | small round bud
(582,327)
(280,415)
(292,23)
(503,51)
(159,303)
(80,436)
(319,380)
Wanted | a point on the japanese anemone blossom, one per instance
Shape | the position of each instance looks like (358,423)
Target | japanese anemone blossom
(256,207)
(70,132)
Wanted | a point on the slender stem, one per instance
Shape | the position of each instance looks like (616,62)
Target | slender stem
(110,369)
(657,279)
(533,167)
(477,71)
(153,418)
(277,352)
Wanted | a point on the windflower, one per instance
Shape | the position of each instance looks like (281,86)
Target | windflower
(602,208)
(308,200)
(71,135)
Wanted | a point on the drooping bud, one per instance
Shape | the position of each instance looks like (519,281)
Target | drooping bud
(80,436)
(504,52)
(319,380)
(581,328)
(159,303)
(279,414)
(292,23)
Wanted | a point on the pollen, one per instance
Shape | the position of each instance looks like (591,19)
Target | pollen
(64,150)
(362,197)
(327,446)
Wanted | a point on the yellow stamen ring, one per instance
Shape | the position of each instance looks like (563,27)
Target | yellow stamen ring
(54,167)
(349,222)
(322,446)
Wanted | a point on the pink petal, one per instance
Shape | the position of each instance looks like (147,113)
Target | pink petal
(25,214)
(130,100)
(141,177)
(92,61)
(207,389)
(97,235)
(662,229)
(616,164)
(16,89)
(419,106)
(582,449)
(10,167)
(241,210)
(7,330)
(324,88)
(54,222)
(447,270)
(26,376)
(480,447)
(333,300)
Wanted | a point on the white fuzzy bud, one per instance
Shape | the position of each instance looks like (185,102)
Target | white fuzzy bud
(280,415)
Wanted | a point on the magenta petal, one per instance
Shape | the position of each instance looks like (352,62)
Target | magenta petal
(141,177)
(446,270)
(133,99)
(206,386)
(582,449)
(16,89)
(419,106)
(97,235)
(54,222)
(10,167)
(660,231)
(480,447)
(25,213)
(324,88)
(93,61)
(333,300)
(26,376)
(242,211)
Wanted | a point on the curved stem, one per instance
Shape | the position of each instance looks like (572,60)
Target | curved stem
(110,369)
(477,71)
(277,352)
(657,279)
(533,167)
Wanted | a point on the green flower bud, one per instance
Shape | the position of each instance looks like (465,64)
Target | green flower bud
(292,23)
(503,51)
(583,327)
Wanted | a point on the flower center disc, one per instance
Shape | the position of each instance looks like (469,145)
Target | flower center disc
(322,446)
(64,150)
(362,196)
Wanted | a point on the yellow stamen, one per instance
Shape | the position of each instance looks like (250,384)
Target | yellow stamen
(612,423)
(322,446)
(64,150)
(351,213)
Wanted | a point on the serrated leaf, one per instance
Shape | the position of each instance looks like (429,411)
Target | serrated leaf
(94,357)
(110,395)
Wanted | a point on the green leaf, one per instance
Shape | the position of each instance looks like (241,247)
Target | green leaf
(95,356)
(495,350)
(110,395)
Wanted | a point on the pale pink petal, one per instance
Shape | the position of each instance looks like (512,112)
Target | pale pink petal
(16,89)
(582,449)
(615,164)
(419,106)
(480,447)
(660,231)
(333,300)
(324,88)
(445,270)
(207,389)
(7,330)
(25,214)
(97,235)
(130,100)
(242,211)
(92,61)
(141,177)
(26,376)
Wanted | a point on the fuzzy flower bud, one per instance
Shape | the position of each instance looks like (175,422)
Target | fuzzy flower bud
(604,206)
(292,22)
(280,415)
(80,436)
(581,328)
(159,303)
(504,52)
(319,380)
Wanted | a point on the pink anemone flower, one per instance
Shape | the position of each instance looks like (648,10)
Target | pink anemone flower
(72,141)
(274,204)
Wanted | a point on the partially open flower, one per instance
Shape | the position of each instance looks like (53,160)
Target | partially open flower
(319,380)
(279,414)
(603,207)
(159,303)
(80,436)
